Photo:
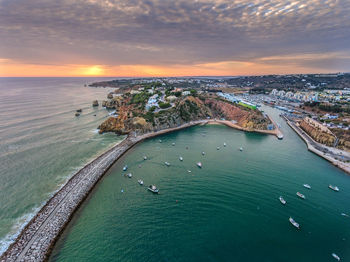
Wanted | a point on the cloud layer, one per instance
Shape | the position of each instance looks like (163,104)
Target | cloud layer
(314,34)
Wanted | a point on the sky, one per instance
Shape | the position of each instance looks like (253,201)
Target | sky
(173,37)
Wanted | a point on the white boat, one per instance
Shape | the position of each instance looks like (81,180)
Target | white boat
(241,149)
(180,158)
(336,256)
(307,186)
(189,171)
(199,164)
(140,182)
(129,175)
(217,148)
(344,215)
(144,157)
(224,144)
(282,200)
(125,167)
(291,220)
(335,188)
(300,195)
(203,153)
(153,189)
(160,141)
(173,144)
(167,163)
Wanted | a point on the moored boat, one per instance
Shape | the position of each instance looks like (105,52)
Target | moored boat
(217,148)
(203,153)
(241,149)
(129,175)
(199,164)
(307,186)
(292,221)
(180,158)
(153,189)
(282,200)
(224,144)
(300,195)
(336,256)
(125,167)
(144,157)
(140,181)
(173,144)
(335,188)
(160,141)
(167,163)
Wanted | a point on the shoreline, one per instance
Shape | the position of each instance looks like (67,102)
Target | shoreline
(276,132)
(341,165)
(39,235)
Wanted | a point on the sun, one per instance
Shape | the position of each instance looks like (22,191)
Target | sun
(93,70)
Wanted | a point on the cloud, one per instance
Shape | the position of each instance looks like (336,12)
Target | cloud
(171,32)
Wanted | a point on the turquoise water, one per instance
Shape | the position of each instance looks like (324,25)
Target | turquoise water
(226,211)
(43,143)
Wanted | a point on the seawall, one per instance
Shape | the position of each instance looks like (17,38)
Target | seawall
(37,238)
(311,146)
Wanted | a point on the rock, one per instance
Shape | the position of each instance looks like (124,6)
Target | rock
(110,96)
(95,103)
(77,114)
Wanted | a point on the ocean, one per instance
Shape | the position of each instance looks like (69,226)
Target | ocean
(228,210)
(42,142)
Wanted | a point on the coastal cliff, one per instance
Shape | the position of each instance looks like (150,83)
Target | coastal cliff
(132,117)
(317,134)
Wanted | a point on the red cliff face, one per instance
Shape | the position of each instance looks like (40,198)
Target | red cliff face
(251,119)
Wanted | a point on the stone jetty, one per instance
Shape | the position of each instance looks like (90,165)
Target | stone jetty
(38,237)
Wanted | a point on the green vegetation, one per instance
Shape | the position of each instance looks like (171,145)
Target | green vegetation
(140,98)
(163,105)
(152,109)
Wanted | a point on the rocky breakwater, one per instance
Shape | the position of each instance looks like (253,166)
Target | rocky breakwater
(37,238)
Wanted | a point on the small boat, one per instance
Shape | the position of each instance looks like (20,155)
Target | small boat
(307,186)
(291,220)
(282,200)
(77,114)
(122,190)
(241,149)
(335,188)
(144,157)
(344,215)
(186,147)
(173,144)
(203,153)
(217,148)
(300,195)
(125,167)
(129,175)
(167,163)
(180,158)
(140,181)
(224,144)
(189,171)
(153,189)
(199,164)
(336,256)
(160,141)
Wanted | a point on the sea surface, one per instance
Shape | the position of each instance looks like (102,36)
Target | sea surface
(43,143)
(226,211)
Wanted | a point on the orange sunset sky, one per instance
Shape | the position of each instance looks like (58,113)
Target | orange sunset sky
(173,38)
